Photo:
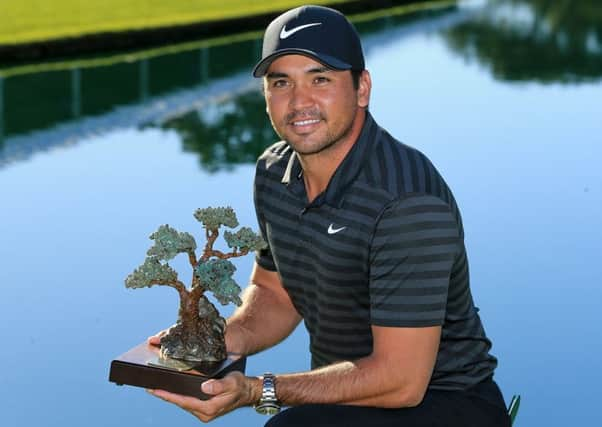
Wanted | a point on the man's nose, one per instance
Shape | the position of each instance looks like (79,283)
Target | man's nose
(302,97)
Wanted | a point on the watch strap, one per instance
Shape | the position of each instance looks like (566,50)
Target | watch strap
(268,403)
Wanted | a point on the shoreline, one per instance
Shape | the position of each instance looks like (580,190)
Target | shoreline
(133,40)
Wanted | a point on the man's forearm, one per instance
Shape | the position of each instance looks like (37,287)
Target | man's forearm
(395,375)
(262,321)
(366,382)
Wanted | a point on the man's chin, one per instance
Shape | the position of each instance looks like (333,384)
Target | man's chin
(307,148)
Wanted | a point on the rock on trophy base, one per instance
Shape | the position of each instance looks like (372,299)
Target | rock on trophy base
(142,367)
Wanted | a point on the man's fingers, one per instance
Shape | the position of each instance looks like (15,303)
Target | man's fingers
(229,384)
(226,394)
(203,410)
(214,387)
(156,339)
(188,403)
(205,417)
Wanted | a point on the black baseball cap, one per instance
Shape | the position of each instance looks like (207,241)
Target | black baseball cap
(319,32)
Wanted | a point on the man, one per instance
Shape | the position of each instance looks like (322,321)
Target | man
(365,246)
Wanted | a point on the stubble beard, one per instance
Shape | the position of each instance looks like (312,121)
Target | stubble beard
(302,146)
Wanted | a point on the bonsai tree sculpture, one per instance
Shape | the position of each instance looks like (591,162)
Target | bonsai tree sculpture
(198,335)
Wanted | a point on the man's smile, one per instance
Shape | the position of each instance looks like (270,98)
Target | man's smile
(306,122)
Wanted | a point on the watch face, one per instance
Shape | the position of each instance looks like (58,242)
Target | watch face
(268,409)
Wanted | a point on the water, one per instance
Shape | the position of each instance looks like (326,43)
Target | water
(93,160)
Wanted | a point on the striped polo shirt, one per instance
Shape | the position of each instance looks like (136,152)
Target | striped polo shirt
(382,245)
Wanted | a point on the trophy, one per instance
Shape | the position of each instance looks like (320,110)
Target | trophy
(193,350)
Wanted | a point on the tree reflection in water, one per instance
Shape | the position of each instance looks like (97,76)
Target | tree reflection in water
(226,134)
(547,41)
(534,40)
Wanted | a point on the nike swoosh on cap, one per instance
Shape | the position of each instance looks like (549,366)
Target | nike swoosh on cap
(332,230)
(284,33)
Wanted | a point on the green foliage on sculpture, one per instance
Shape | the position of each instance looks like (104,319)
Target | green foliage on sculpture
(198,335)
(169,242)
(150,273)
(245,239)
(216,276)
(213,218)
(227,291)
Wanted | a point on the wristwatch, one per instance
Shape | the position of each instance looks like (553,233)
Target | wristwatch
(268,403)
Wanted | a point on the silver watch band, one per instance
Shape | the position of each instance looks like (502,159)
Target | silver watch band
(269,387)
(268,403)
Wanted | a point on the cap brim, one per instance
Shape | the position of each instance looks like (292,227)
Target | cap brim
(262,66)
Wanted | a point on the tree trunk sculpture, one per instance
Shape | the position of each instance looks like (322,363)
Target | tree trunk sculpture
(198,335)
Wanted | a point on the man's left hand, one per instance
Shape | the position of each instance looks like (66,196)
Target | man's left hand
(231,392)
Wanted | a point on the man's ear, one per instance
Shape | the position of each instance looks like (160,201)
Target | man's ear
(364,88)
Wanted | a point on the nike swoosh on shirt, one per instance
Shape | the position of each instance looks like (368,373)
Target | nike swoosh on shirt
(332,230)
(284,33)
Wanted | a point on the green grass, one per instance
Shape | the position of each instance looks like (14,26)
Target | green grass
(24,21)
(106,60)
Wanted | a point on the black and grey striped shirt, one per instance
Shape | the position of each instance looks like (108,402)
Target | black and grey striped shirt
(382,245)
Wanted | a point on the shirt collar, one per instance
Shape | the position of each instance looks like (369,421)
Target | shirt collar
(293,169)
(344,175)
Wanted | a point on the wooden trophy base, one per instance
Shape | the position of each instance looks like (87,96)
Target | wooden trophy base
(141,367)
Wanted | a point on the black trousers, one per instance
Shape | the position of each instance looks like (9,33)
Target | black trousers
(479,406)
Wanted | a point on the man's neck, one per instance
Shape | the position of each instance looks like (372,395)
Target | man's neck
(319,168)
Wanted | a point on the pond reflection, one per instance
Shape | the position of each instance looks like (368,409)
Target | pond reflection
(44,110)
(534,40)
(225,134)
(504,97)
(518,40)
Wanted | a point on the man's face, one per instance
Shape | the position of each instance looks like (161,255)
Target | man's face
(311,106)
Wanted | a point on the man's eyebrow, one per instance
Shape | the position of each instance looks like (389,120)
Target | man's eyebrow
(317,70)
(275,75)
(314,70)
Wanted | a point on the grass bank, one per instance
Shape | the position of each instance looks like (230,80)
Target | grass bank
(10,70)
(29,21)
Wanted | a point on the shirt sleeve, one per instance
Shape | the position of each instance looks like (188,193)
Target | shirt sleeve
(416,242)
(263,257)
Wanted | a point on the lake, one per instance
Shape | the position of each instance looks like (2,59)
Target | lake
(503,96)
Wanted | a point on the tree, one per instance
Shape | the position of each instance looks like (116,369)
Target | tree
(534,40)
(198,335)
